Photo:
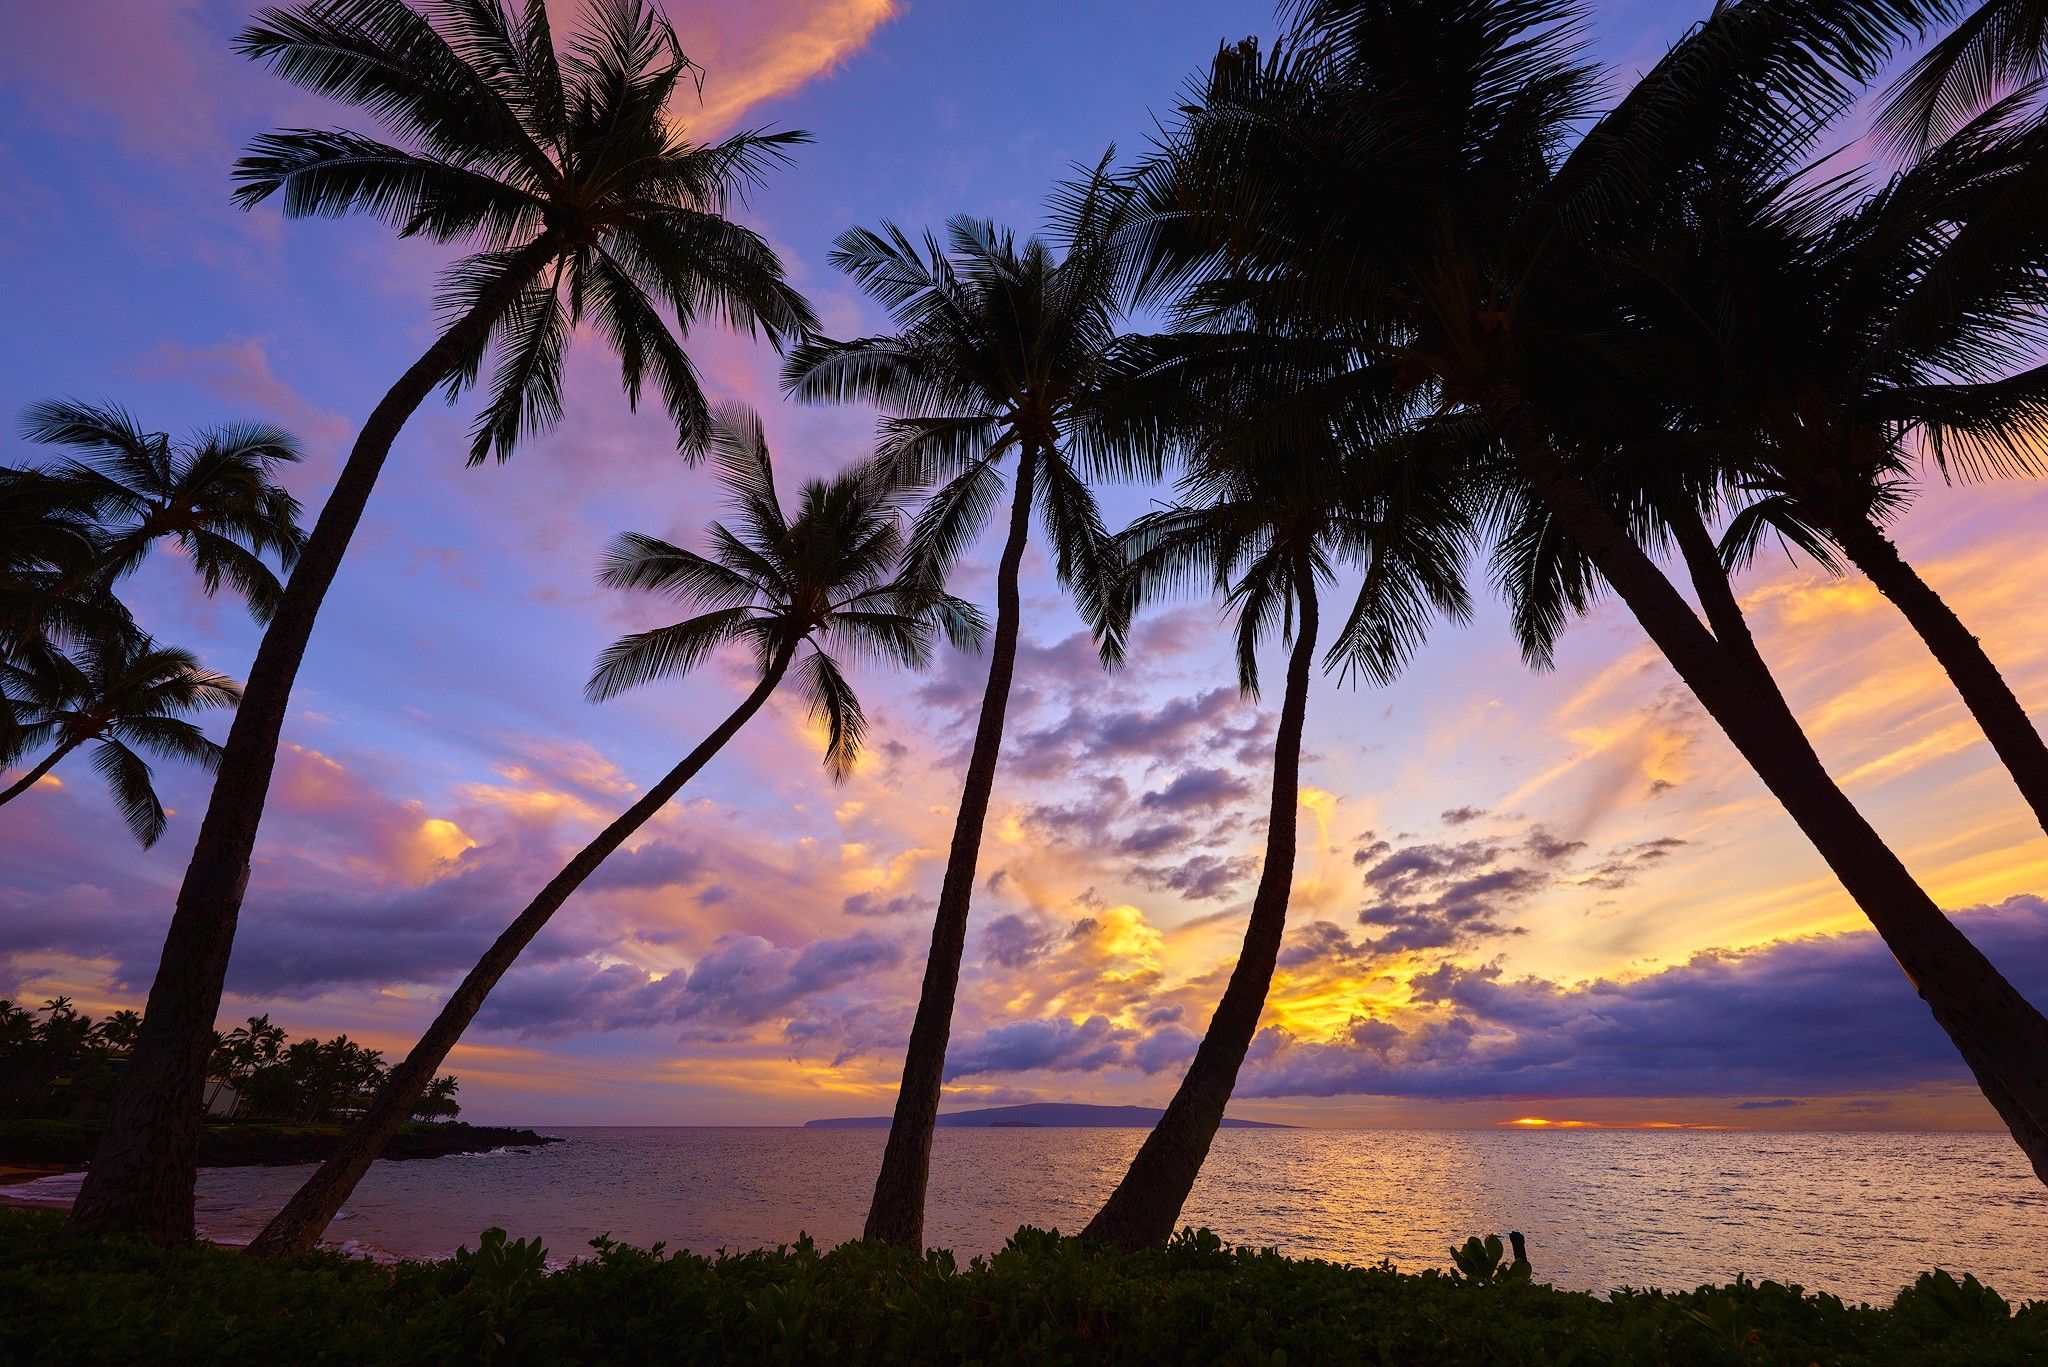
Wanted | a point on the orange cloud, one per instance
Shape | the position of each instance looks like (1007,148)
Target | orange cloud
(777,46)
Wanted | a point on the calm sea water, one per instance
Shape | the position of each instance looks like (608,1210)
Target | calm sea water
(1856,1214)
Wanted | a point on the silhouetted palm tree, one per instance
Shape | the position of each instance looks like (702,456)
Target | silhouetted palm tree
(215,495)
(566,173)
(1002,350)
(1274,512)
(49,547)
(792,592)
(1837,338)
(1999,47)
(123,695)
(1404,174)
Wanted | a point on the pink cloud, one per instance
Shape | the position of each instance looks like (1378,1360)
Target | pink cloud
(148,69)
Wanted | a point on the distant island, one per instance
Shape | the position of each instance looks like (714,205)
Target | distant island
(1049,1115)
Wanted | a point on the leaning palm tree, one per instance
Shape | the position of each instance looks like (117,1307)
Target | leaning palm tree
(1422,178)
(565,172)
(790,591)
(1839,339)
(1998,47)
(1002,350)
(1272,515)
(216,495)
(125,696)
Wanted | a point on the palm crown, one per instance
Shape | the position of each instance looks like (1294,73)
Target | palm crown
(215,494)
(1000,349)
(1999,47)
(564,170)
(1835,333)
(1278,497)
(50,548)
(125,696)
(822,582)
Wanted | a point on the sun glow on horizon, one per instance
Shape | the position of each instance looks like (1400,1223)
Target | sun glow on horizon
(1537,1122)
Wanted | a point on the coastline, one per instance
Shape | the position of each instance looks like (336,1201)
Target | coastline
(43,1147)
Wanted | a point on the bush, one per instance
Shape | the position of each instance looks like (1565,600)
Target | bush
(1043,1299)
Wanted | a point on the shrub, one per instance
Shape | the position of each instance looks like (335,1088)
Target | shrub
(1042,1299)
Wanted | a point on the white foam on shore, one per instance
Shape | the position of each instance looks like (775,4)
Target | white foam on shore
(57,1191)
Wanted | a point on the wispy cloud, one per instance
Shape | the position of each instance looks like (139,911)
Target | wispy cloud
(770,48)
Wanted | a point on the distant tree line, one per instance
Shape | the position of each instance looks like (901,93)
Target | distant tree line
(58,1063)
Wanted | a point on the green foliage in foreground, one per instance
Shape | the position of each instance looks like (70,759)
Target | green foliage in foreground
(1041,1300)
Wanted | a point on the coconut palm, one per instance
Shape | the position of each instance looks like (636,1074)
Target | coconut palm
(1410,175)
(797,594)
(125,696)
(1004,355)
(565,173)
(215,495)
(1842,339)
(1999,47)
(48,595)
(1272,513)
(49,547)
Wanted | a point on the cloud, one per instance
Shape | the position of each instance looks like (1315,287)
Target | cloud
(742,982)
(1813,1017)
(771,47)
(147,68)
(1058,1045)
(1199,878)
(1198,790)
(1443,894)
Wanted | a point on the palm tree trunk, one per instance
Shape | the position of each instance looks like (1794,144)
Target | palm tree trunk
(1984,690)
(48,762)
(896,1215)
(141,1177)
(1731,628)
(1146,1205)
(297,1227)
(2002,1036)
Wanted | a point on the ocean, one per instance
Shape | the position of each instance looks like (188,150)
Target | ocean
(1858,1215)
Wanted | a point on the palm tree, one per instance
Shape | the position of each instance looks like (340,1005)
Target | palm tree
(1404,174)
(438,1101)
(1828,345)
(566,174)
(214,494)
(1001,350)
(48,548)
(1273,511)
(123,695)
(792,591)
(1999,47)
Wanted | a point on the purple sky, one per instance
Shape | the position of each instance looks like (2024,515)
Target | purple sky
(1555,895)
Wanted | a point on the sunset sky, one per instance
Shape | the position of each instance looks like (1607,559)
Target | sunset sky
(1519,895)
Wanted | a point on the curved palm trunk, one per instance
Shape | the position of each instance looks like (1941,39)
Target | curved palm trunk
(2001,1036)
(896,1215)
(44,766)
(1984,690)
(297,1227)
(1146,1205)
(140,1181)
(1731,628)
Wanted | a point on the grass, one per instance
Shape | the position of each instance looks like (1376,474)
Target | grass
(1042,1299)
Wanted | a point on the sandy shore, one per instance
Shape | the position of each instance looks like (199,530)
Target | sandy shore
(14,1174)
